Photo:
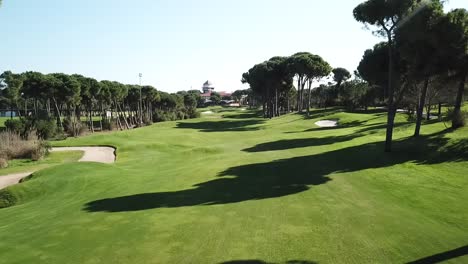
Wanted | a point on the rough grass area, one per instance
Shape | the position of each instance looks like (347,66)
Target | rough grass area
(12,146)
(231,188)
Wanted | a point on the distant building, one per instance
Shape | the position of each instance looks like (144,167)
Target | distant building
(208,88)
(7,113)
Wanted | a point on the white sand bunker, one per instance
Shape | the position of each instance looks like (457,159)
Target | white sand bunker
(327,123)
(91,154)
(207,113)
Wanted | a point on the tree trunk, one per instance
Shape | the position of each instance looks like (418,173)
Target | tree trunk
(309,97)
(91,124)
(48,107)
(439,113)
(456,121)
(428,111)
(276,103)
(102,116)
(59,117)
(124,116)
(298,93)
(25,107)
(391,91)
(422,102)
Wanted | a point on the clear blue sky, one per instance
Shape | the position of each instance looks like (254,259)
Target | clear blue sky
(176,44)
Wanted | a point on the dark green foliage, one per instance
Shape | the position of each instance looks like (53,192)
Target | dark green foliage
(75,101)
(7,199)
(193,113)
(108,124)
(190,101)
(340,75)
(15,125)
(215,98)
(356,94)
(46,129)
(163,116)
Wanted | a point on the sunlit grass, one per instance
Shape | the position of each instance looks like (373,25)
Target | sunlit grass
(233,186)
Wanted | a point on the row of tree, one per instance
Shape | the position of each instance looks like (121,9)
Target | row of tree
(75,97)
(423,62)
(425,47)
(272,82)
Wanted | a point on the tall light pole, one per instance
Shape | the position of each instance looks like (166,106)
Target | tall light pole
(141,104)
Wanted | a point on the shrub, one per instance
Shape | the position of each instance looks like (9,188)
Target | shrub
(180,115)
(459,120)
(15,125)
(3,163)
(40,151)
(147,121)
(7,199)
(193,113)
(12,146)
(163,116)
(46,129)
(108,124)
(73,127)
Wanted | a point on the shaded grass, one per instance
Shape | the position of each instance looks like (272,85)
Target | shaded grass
(250,191)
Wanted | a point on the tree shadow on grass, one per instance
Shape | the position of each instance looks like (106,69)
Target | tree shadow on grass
(444,256)
(301,143)
(318,113)
(264,262)
(290,176)
(374,128)
(246,115)
(368,111)
(223,126)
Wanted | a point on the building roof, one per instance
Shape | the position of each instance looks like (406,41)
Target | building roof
(224,94)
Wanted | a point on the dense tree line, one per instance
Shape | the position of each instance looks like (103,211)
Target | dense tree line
(422,63)
(424,55)
(272,82)
(74,102)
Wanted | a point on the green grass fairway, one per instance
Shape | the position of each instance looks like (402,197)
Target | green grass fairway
(230,187)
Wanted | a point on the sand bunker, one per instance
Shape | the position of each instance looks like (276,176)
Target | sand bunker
(91,154)
(327,123)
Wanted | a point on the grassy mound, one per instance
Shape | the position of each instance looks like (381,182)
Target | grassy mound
(232,186)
